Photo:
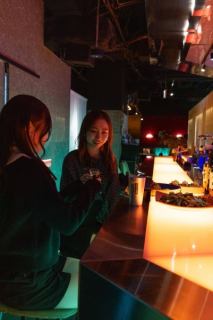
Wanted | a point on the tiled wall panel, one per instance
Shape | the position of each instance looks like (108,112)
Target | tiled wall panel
(21,39)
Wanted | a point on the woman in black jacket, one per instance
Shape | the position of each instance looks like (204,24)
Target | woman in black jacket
(32,212)
(94,159)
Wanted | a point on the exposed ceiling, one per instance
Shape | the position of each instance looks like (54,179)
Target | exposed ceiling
(162,45)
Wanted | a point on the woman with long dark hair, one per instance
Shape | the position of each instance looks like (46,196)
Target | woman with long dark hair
(94,159)
(32,212)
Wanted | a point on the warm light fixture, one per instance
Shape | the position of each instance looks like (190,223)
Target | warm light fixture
(149,136)
(171,94)
(203,68)
(179,135)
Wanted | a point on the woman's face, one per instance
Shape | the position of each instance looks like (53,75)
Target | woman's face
(35,134)
(98,134)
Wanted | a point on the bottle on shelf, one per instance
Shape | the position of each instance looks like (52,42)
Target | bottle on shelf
(211,181)
(206,174)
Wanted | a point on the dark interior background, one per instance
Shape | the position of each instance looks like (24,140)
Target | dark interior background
(129,51)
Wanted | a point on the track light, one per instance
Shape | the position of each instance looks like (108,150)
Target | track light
(165,93)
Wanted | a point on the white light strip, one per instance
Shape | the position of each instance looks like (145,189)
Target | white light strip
(167,170)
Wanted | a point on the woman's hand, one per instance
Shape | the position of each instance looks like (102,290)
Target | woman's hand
(90,176)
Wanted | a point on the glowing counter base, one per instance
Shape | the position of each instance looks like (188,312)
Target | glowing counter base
(194,268)
(179,239)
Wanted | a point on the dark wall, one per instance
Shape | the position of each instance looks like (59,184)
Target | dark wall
(172,124)
(106,87)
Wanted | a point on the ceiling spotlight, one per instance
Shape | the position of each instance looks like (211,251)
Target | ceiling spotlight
(211,56)
(171,94)
(96,53)
(203,68)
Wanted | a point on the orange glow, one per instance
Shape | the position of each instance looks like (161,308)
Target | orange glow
(197,269)
(178,229)
(191,37)
(204,12)
(180,239)
(198,191)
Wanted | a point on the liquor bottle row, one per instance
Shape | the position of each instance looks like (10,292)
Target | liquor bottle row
(208,178)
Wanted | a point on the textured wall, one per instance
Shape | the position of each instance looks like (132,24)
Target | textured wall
(204,110)
(21,39)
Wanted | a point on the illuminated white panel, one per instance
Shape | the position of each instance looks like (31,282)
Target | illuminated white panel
(198,128)
(180,239)
(190,142)
(77,112)
(166,170)
(209,120)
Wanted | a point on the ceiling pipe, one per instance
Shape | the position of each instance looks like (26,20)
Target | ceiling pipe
(126,4)
(97,24)
(120,32)
(115,21)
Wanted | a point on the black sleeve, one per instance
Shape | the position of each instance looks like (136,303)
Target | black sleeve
(70,181)
(48,205)
(71,189)
(113,190)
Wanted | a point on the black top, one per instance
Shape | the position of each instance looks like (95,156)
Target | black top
(73,170)
(32,216)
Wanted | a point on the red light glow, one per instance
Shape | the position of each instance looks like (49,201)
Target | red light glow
(149,136)
(179,135)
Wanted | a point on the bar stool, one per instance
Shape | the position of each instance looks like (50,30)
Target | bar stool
(40,314)
(71,266)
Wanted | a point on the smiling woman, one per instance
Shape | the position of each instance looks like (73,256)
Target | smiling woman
(93,160)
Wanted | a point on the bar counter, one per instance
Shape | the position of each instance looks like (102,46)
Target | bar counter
(118,283)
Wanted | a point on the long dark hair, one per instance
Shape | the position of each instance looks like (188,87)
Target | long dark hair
(106,151)
(15,119)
